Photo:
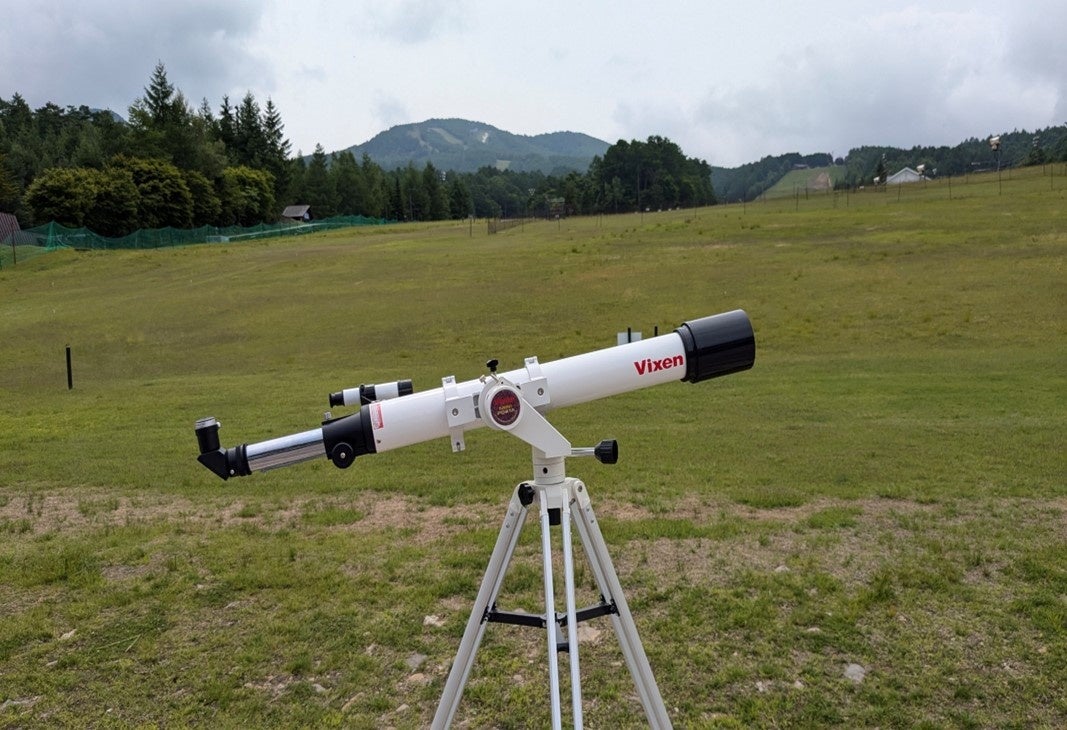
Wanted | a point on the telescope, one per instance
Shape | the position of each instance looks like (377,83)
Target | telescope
(393,415)
(698,350)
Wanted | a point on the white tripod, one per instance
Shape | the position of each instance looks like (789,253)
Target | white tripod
(561,499)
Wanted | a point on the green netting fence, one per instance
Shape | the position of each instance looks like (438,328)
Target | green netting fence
(21,245)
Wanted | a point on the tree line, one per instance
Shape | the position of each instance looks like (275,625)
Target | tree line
(1018,148)
(631,176)
(170,164)
(864,164)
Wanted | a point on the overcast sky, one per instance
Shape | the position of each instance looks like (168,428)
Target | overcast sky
(730,82)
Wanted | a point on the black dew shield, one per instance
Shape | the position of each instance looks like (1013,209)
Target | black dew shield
(717,345)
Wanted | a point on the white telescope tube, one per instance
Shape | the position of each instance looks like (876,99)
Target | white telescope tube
(578,379)
(698,350)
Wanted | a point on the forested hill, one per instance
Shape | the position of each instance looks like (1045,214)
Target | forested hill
(461,145)
(862,164)
(749,181)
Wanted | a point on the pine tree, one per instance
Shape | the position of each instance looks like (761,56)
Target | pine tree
(9,191)
(277,149)
(349,184)
(250,141)
(226,127)
(377,188)
(158,97)
(319,187)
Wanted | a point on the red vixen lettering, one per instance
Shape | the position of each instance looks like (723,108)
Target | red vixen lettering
(648,365)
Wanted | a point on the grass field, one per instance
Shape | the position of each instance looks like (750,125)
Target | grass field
(868,529)
(806,182)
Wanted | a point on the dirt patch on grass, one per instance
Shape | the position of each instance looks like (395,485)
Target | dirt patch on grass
(848,540)
(846,536)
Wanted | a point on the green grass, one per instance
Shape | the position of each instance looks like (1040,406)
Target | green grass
(886,487)
(804,181)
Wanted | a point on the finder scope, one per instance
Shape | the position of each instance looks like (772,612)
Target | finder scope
(698,350)
(366,394)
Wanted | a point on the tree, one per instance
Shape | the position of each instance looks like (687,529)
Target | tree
(348,184)
(16,115)
(437,196)
(297,189)
(153,115)
(163,124)
(651,174)
(319,186)
(25,154)
(225,127)
(396,199)
(114,208)
(246,196)
(880,172)
(90,150)
(207,207)
(377,188)
(1036,155)
(62,194)
(158,98)
(164,198)
(249,136)
(414,197)
(276,150)
(9,190)
(460,203)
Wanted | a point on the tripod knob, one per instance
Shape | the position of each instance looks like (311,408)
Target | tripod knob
(607,451)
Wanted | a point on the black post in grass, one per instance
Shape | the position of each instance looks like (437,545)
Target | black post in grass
(70,374)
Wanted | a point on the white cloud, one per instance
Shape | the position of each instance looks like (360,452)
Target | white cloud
(415,21)
(911,77)
(729,83)
(102,53)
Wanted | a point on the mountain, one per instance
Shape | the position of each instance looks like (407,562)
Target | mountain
(465,146)
(115,116)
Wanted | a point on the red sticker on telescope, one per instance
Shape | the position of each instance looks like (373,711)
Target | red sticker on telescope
(504,407)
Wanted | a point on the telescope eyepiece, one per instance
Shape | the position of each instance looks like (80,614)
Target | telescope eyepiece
(224,463)
(207,434)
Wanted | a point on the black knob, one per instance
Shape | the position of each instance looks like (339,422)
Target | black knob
(342,455)
(607,451)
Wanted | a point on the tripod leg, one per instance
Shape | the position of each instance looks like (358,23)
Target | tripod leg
(545,496)
(608,582)
(472,636)
(572,617)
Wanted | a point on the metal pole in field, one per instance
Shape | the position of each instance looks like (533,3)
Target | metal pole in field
(70,374)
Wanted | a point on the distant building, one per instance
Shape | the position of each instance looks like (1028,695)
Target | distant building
(906,175)
(9,228)
(297,213)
